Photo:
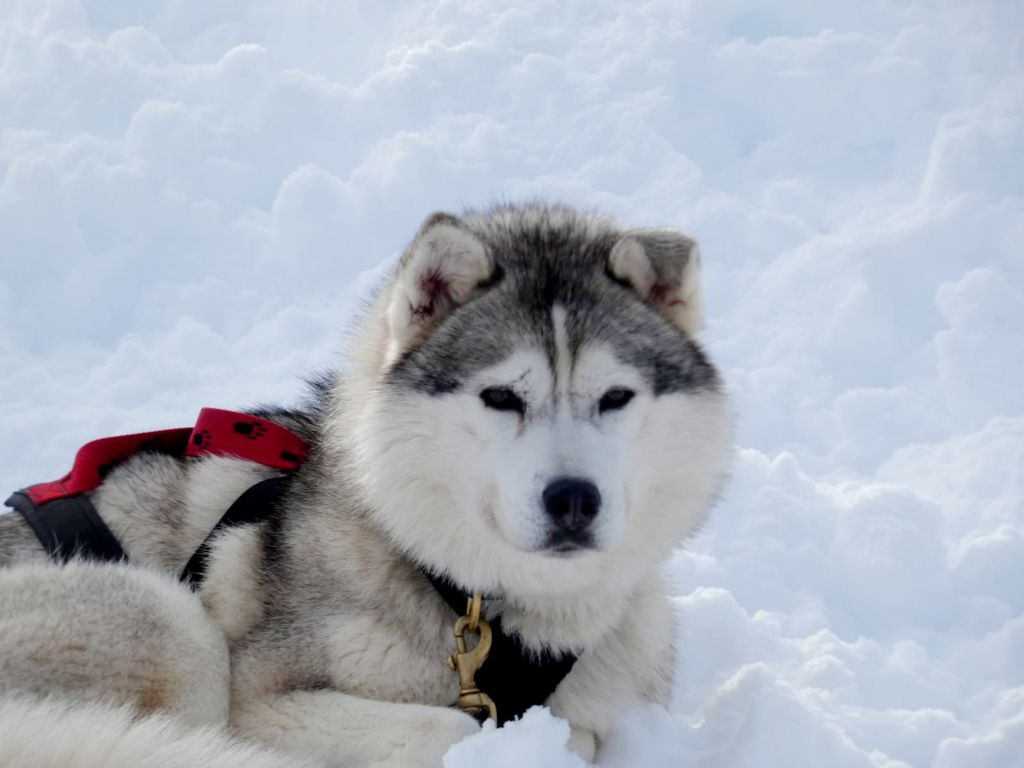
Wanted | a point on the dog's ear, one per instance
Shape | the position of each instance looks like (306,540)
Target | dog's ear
(441,269)
(663,267)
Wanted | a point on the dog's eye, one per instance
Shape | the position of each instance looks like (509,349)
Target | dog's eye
(503,399)
(614,399)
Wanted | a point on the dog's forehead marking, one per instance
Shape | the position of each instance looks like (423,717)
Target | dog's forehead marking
(562,364)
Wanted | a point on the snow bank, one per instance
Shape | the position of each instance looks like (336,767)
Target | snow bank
(191,198)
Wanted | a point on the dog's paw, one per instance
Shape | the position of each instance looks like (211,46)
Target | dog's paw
(583,742)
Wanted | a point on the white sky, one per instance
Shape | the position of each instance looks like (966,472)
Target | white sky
(191,196)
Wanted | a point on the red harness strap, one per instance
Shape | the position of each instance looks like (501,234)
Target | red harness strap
(216,433)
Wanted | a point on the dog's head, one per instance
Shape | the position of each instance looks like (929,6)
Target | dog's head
(535,414)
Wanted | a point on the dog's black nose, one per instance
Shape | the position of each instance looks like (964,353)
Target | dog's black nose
(572,503)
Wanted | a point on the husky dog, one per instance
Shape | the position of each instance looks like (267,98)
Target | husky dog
(526,412)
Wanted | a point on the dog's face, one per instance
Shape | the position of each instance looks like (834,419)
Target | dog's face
(543,419)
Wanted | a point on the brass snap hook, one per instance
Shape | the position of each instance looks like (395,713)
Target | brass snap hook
(466,661)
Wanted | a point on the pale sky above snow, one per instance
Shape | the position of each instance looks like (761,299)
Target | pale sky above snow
(193,195)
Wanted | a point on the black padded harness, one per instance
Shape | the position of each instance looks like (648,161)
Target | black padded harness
(513,676)
(68,527)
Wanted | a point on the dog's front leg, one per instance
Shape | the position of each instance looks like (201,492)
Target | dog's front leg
(583,742)
(345,731)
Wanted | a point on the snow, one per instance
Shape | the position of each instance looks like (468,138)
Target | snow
(192,196)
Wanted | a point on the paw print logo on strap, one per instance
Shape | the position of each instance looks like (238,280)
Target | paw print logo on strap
(253,430)
(202,438)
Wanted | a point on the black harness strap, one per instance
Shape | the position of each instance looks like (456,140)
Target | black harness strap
(515,677)
(69,527)
(255,504)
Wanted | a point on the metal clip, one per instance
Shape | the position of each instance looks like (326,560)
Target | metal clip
(466,662)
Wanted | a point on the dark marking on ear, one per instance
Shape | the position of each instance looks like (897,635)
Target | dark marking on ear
(659,294)
(435,290)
